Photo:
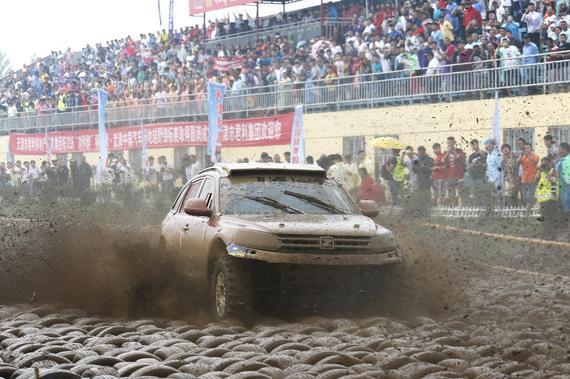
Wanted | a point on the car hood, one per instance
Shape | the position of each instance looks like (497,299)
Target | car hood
(326,224)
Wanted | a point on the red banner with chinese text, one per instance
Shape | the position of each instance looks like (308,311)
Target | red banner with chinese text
(264,131)
(226,64)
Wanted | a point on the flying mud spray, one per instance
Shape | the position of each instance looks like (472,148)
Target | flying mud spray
(111,269)
(96,298)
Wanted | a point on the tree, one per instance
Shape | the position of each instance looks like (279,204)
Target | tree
(4,64)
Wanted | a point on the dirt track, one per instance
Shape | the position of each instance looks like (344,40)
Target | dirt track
(441,316)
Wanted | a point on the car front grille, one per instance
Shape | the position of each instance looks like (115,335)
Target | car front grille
(299,243)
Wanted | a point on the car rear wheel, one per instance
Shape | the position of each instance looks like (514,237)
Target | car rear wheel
(231,292)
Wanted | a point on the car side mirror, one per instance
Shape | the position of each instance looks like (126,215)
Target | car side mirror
(369,208)
(197,207)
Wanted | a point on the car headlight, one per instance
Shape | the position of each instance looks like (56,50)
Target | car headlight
(255,240)
(383,242)
(238,250)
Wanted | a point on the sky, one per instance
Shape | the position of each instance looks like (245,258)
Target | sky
(31,28)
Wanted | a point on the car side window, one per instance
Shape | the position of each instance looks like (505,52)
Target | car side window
(207,192)
(192,193)
(179,198)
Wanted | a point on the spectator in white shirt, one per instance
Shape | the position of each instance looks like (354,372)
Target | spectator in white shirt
(500,12)
(369,30)
(33,175)
(533,21)
(564,29)
(166,176)
(433,65)
(506,4)
(350,37)
(433,69)
(549,17)
(12,110)
(151,173)
(339,64)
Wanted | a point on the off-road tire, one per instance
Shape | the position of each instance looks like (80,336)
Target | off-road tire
(231,293)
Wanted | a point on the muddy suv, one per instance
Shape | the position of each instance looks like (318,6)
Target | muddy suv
(231,218)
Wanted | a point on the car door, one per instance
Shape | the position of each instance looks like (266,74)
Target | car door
(180,222)
(192,240)
(170,230)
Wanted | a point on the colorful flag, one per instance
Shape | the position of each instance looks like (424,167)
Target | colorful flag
(143,147)
(10,155)
(215,115)
(298,136)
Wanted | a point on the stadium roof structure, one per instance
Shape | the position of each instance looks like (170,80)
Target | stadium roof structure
(201,6)
(279,1)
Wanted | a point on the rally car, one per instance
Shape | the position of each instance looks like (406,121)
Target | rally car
(232,217)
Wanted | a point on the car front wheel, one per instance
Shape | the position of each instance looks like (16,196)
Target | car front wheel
(231,292)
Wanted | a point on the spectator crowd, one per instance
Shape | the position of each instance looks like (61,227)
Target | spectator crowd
(157,180)
(406,38)
(488,176)
(492,176)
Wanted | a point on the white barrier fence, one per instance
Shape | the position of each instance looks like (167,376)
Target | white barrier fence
(472,212)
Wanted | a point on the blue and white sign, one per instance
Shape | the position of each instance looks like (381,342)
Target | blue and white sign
(215,115)
(102,97)
(298,136)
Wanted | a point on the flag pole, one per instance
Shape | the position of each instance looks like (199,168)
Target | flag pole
(496,120)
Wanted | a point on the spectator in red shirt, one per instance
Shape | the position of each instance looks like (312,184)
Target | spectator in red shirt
(438,175)
(454,159)
(380,16)
(370,190)
(470,14)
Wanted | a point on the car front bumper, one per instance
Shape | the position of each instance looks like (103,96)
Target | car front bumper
(378,259)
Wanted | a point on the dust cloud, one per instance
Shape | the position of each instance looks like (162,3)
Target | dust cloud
(119,270)
(97,267)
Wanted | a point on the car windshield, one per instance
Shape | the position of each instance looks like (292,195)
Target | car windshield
(283,194)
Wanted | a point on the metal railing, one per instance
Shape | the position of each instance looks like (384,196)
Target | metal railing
(397,88)
(302,30)
(449,83)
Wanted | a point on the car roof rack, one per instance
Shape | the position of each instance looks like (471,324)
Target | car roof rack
(229,169)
